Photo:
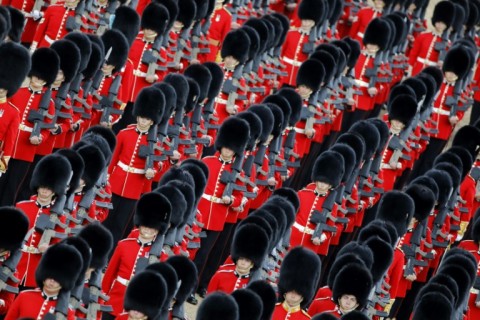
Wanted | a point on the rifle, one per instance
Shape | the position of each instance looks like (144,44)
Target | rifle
(38,6)
(247,170)
(438,223)
(61,308)
(38,117)
(106,103)
(7,272)
(231,85)
(104,19)
(181,44)
(154,254)
(441,46)
(230,178)
(152,57)
(148,151)
(174,132)
(59,101)
(309,46)
(411,251)
(196,40)
(288,150)
(74,23)
(320,218)
(93,295)
(83,208)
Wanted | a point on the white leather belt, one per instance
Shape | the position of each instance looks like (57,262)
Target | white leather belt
(49,40)
(386,166)
(30,249)
(427,62)
(123,281)
(361,83)
(360,34)
(129,169)
(212,198)
(220,100)
(302,229)
(441,111)
(298,130)
(292,62)
(138,73)
(23,127)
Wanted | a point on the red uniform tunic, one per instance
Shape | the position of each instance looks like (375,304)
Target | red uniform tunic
(220,25)
(31,255)
(227,280)
(26,6)
(441,113)
(283,312)
(473,248)
(292,55)
(423,53)
(34,304)
(214,212)
(103,91)
(127,168)
(25,100)
(321,305)
(9,123)
(52,27)
(361,22)
(362,82)
(121,269)
(303,228)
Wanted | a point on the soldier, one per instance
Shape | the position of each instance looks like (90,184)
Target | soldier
(220,25)
(218,305)
(124,263)
(215,203)
(56,275)
(50,180)
(299,275)
(365,16)
(12,57)
(36,110)
(425,51)
(130,175)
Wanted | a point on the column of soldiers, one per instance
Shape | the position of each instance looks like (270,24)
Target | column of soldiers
(155,150)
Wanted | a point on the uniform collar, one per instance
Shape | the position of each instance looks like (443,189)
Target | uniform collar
(146,244)
(245,276)
(318,194)
(139,132)
(289,309)
(223,161)
(34,92)
(41,206)
(49,298)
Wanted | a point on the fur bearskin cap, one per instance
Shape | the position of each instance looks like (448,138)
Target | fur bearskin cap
(300,272)
(266,115)
(455,61)
(418,86)
(249,303)
(360,250)
(153,210)
(5,23)
(187,9)
(170,276)
(146,293)
(127,21)
(476,231)
(339,263)
(370,135)
(177,201)
(236,44)
(201,74)
(94,62)
(295,102)
(398,208)
(217,79)
(78,167)
(233,134)
(447,281)
(355,280)
(180,83)
(277,27)
(273,224)
(355,51)
(461,277)
(424,200)
(452,171)
(198,175)
(444,12)
(382,256)
(187,273)
(357,143)
(260,221)
(282,209)
(45,65)
(427,182)
(278,119)
(175,173)
(18,22)
(197,163)
(290,195)
(444,183)
(325,316)
(377,32)
(311,74)
(13,228)
(469,138)
(118,43)
(433,305)
(329,168)
(436,73)
(62,263)
(311,10)
(285,24)
(263,32)
(170,99)
(403,108)
(355,315)
(150,104)
(52,171)
(400,90)
(283,104)
(437,287)
(328,61)
(431,87)
(69,55)
(218,305)
(14,66)
(466,158)
(85,251)
(94,164)
(193,95)
(189,195)
(172,7)
(267,294)
(84,44)
(384,132)
(456,254)
(254,42)
(100,241)
(377,228)
(98,141)
(155,17)
(349,159)
(105,133)
(255,125)
(448,157)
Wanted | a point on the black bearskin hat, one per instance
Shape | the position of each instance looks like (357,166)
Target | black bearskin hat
(236,44)
(105,133)
(360,250)
(13,228)
(283,104)
(118,43)
(255,125)
(14,66)
(170,99)
(266,115)
(84,44)
(69,55)
(424,200)
(172,7)
(100,241)
(268,296)
(290,195)
(217,79)
(62,263)
(53,172)
(94,164)
(198,175)
(177,200)
(277,119)
(77,165)
(403,108)
(18,22)
(99,141)
(353,279)
(150,104)
(146,293)
(218,305)
(476,231)
(84,249)
(187,273)
(311,10)
(382,256)
(355,51)
(233,134)
(202,76)
(155,17)
(444,12)
(356,142)
(349,159)
(250,242)
(153,210)
(180,83)
(296,104)
(433,305)
(250,305)
(466,158)
(170,276)
(377,32)
(45,65)
(370,135)
(187,9)
(377,228)
(444,183)
(94,62)
(452,171)
(384,132)
(311,74)
(300,272)
(398,208)
(469,138)
(455,61)
(127,21)
(329,168)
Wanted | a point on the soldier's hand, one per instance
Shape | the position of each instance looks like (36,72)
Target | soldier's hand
(372,91)
(2,303)
(151,78)
(231,109)
(411,277)
(309,133)
(227,200)
(235,25)
(176,155)
(43,247)
(3,165)
(195,61)
(477,304)
(453,120)
(35,140)
(316,241)
(149,174)
(291,6)
(271,181)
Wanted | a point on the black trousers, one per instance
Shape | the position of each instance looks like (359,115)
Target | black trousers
(12,180)
(120,218)
(475,115)
(425,162)
(201,258)
(24,191)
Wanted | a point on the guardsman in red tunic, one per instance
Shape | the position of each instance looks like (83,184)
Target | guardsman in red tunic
(298,43)
(14,228)
(14,66)
(215,203)
(54,24)
(327,174)
(148,282)
(32,17)
(130,174)
(55,277)
(50,179)
(130,252)
(299,275)
(426,47)
(363,18)
(250,245)
(34,114)
(220,25)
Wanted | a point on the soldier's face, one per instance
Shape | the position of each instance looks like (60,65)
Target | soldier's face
(379,4)
(396,126)
(44,194)
(71,3)
(226,153)
(60,77)
(149,34)
(293,299)
(348,302)
(107,68)
(136,315)
(244,265)
(307,24)
(144,123)
(147,234)
(51,287)
(230,62)
(450,76)
(37,82)
(322,187)
(3,93)
(304,91)
(440,26)
(372,48)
